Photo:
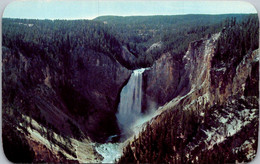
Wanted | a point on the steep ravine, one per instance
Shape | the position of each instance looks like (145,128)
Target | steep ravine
(208,117)
(69,95)
(55,105)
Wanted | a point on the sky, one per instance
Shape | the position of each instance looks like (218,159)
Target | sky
(58,9)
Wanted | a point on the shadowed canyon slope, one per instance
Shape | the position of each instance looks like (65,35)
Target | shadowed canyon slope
(74,95)
(50,95)
(75,91)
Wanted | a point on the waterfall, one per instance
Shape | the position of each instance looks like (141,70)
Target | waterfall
(129,109)
(129,117)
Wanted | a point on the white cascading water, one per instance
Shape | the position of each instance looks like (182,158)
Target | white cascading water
(109,151)
(129,112)
(129,109)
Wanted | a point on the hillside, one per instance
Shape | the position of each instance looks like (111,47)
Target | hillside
(139,33)
(47,91)
(213,117)
(207,121)
(133,89)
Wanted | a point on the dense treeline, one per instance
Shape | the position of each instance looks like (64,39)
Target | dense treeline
(48,38)
(237,39)
(170,140)
(174,33)
(59,49)
(56,41)
(180,138)
(165,141)
(109,33)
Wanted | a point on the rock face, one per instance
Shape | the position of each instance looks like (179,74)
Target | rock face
(73,96)
(127,58)
(92,90)
(218,108)
(59,97)
(168,78)
(163,81)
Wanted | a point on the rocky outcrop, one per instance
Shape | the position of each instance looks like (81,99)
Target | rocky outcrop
(198,73)
(92,90)
(209,117)
(127,57)
(73,95)
(154,46)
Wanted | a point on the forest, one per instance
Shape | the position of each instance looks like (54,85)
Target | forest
(171,139)
(62,80)
(48,37)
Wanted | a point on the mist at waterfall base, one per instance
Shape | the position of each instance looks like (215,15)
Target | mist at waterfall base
(129,117)
(129,109)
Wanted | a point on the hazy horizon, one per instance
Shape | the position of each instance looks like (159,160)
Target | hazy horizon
(71,10)
(124,16)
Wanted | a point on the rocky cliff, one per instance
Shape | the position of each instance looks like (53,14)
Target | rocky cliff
(217,112)
(62,82)
(54,105)
(163,81)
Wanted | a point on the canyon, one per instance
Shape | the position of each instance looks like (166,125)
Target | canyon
(97,100)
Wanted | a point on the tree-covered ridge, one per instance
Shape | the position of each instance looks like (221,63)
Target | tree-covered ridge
(64,66)
(185,135)
(237,39)
(47,38)
(167,20)
(107,34)
(174,33)
(181,136)
(71,58)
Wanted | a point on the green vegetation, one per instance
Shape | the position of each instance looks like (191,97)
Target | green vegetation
(48,38)
(56,44)
(237,39)
(171,139)
(175,33)
(108,34)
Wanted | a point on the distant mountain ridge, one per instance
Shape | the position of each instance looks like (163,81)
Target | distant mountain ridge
(166,18)
(62,81)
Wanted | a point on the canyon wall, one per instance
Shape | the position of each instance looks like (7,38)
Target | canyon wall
(164,81)
(217,112)
(60,96)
